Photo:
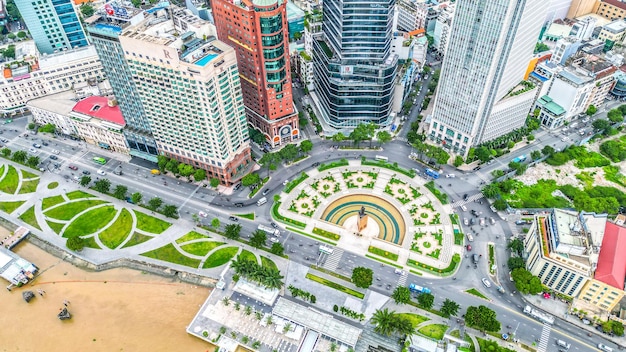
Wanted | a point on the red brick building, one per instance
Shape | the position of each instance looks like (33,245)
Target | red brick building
(257,29)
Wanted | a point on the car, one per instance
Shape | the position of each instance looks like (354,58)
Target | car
(233,218)
(55,152)
(53,157)
(86,172)
(239,205)
(36,145)
(32,151)
(316,164)
(463,207)
(72,167)
(274,225)
(450,176)
(45,144)
(465,196)
(465,221)
(285,182)
(469,248)
(202,214)
(604,347)
(100,172)
(472,221)
(486,282)
(274,239)
(237,186)
(266,191)
(400,272)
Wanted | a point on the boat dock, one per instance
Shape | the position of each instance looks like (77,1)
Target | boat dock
(18,235)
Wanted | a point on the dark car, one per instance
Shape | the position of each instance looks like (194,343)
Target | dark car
(274,225)
(239,205)
(237,186)
(53,157)
(465,196)
(316,164)
(73,167)
(232,218)
(266,191)
(44,143)
(85,172)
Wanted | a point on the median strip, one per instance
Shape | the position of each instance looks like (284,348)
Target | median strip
(335,285)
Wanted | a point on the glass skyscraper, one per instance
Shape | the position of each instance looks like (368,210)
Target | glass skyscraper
(53,24)
(353,66)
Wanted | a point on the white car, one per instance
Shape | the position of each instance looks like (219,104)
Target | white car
(463,207)
(486,282)
(100,172)
(465,221)
(450,176)
(400,272)
(203,214)
(274,239)
(55,152)
(32,151)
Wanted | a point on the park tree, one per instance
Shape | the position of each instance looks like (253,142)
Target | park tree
(48,128)
(32,161)
(31,126)
(401,295)
(383,137)
(136,3)
(231,231)
(277,248)
(533,123)
(615,115)
(491,191)
(9,52)
(6,152)
(102,185)
(256,136)
(383,319)
(19,156)
(136,197)
(258,239)
(200,175)
(449,308)
(516,246)
(269,160)
(482,318)
(120,192)
(526,282)
(483,154)
(591,110)
(171,211)
(85,180)
(338,137)
(215,182)
(75,243)
(458,161)
(306,146)
(362,277)
(515,262)
(359,134)
(600,125)
(162,161)
(250,179)
(154,203)
(215,223)
(500,204)
(289,152)
(172,166)
(535,154)
(426,300)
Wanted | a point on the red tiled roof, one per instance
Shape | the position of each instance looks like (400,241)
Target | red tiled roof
(98,107)
(616,3)
(612,260)
(417,32)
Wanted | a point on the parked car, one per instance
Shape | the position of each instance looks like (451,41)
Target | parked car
(86,172)
(73,167)
(266,191)
(36,145)
(239,205)
(465,221)
(274,225)
(53,157)
(468,247)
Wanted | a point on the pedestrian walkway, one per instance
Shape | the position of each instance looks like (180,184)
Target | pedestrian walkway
(332,262)
(470,199)
(402,279)
(545,338)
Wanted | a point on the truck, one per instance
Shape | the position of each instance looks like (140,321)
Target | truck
(261,201)
(519,159)
(418,289)
(539,315)
(269,230)
(432,173)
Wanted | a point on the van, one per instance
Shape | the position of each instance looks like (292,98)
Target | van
(563,344)
(261,201)
(604,347)
(470,238)
(475,258)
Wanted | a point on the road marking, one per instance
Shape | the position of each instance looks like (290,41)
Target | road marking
(545,336)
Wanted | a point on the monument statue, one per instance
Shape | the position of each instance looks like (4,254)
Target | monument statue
(362,222)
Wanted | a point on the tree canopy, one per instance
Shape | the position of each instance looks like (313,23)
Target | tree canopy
(362,277)
(526,282)
(482,318)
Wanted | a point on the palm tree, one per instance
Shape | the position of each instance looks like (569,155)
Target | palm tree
(273,279)
(226,301)
(383,319)
(402,326)
(449,307)
(269,320)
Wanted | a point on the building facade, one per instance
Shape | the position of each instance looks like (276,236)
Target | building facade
(353,65)
(611,9)
(188,83)
(104,29)
(258,31)
(53,24)
(491,44)
(411,14)
(442,30)
(99,121)
(551,114)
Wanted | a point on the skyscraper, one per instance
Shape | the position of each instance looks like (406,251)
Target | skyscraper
(353,66)
(53,24)
(257,30)
(104,30)
(482,93)
(188,84)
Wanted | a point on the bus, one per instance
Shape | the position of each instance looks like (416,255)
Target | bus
(432,173)
(99,160)
(381,158)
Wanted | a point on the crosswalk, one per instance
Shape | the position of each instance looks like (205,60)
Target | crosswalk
(402,279)
(332,262)
(470,199)
(545,337)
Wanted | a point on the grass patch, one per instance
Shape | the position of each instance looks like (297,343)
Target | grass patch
(309,235)
(383,253)
(456,259)
(29,218)
(53,185)
(115,234)
(475,292)
(55,226)
(27,174)
(51,201)
(78,195)
(415,319)
(220,257)
(90,242)
(386,165)
(249,216)
(326,234)
(9,183)
(9,207)
(334,285)
(192,235)
(458,238)
(339,163)
(416,272)
(612,174)
(29,186)
(90,222)
(331,273)
(69,210)
(169,253)
(492,259)
(150,224)
(434,331)
(291,185)
(268,263)
(200,248)
(276,215)
(538,195)
(135,239)
(247,255)
(383,261)
(443,198)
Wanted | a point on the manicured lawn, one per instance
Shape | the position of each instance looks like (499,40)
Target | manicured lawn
(249,216)
(220,257)
(91,243)
(456,259)
(55,226)
(383,253)
(29,218)
(268,263)
(327,234)
(69,210)
(443,197)
(29,186)
(169,253)
(200,248)
(415,319)
(9,207)
(9,183)
(247,255)
(435,331)
(190,236)
(115,234)
(475,292)
(50,201)
(458,238)
(150,224)
(26,174)
(79,194)
(385,261)
(53,185)
(90,222)
(335,285)
(136,238)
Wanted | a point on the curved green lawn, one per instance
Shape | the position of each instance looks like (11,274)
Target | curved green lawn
(136,238)
(90,242)
(169,253)
(415,319)
(90,221)
(29,218)
(79,194)
(29,186)
(55,226)
(190,236)
(27,174)
(53,185)
(268,263)
(10,181)
(200,248)
(51,201)
(69,210)
(220,257)
(435,331)
(150,224)
(247,255)
(9,207)
(115,234)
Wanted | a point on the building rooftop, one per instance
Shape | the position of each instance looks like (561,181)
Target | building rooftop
(612,260)
(600,21)
(15,269)
(99,107)
(575,77)
(558,30)
(552,107)
(60,103)
(316,320)
(617,26)
(617,3)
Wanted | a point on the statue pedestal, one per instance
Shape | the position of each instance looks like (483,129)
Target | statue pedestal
(354,222)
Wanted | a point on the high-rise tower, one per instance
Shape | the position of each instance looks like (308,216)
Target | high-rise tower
(53,24)
(257,29)
(104,30)
(353,65)
(481,93)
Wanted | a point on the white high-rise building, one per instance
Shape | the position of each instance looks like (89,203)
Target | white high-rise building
(482,93)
